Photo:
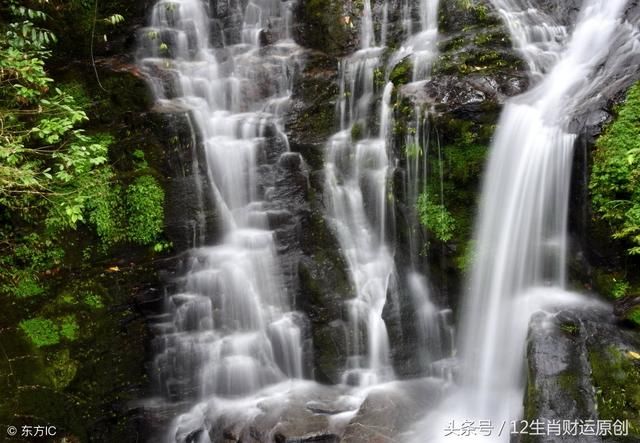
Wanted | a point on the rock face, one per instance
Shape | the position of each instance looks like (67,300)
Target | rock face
(388,412)
(329,26)
(473,75)
(582,365)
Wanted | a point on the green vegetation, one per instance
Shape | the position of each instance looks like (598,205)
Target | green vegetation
(436,218)
(55,177)
(413,150)
(69,328)
(62,369)
(616,377)
(94,301)
(81,216)
(41,331)
(357,132)
(478,42)
(402,72)
(456,168)
(615,177)
(145,210)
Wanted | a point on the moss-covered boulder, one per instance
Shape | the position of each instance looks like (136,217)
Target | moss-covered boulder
(582,365)
(329,26)
(475,40)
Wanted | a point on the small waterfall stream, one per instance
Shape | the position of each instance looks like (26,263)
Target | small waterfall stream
(229,330)
(521,237)
(357,184)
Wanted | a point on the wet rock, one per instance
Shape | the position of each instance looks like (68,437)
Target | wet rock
(559,386)
(281,420)
(314,271)
(388,411)
(460,16)
(470,97)
(329,26)
(312,118)
(582,365)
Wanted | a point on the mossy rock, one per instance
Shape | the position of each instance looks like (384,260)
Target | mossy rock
(464,15)
(475,40)
(327,26)
(402,72)
(616,379)
(312,119)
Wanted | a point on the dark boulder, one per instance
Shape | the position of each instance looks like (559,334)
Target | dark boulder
(583,365)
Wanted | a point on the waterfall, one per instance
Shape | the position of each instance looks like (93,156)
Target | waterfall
(356,185)
(229,329)
(521,235)
(357,167)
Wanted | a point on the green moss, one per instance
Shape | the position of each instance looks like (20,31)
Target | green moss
(570,328)
(413,151)
(356,132)
(466,257)
(402,72)
(69,328)
(479,42)
(26,287)
(61,369)
(615,175)
(145,210)
(94,301)
(404,116)
(532,398)
(41,331)
(326,28)
(465,15)
(616,377)
(474,60)
(455,171)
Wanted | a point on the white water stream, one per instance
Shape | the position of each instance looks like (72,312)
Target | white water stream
(357,167)
(229,330)
(521,236)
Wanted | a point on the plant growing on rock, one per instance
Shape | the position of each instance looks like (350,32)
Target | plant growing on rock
(436,218)
(615,177)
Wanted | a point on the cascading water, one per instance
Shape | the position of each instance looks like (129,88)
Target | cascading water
(356,184)
(434,326)
(356,180)
(230,330)
(521,238)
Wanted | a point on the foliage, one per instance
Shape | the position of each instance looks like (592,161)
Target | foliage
(436,218)
(69,328)
(25,286)
(402,72)
(54,176)
(41,331)
(619,289)
(615,177)
(145,210)
(94,301)
(413,150)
